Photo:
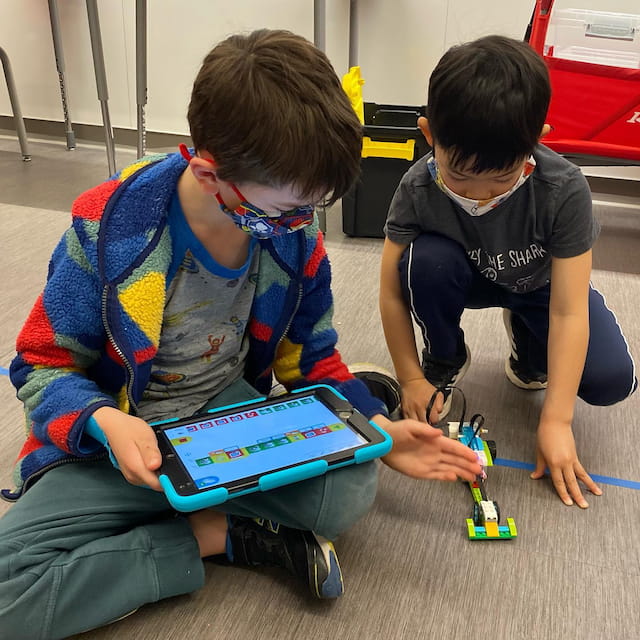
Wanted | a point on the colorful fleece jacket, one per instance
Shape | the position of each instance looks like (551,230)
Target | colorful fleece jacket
(91,336)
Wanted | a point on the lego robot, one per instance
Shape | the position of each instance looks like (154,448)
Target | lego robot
(485,521)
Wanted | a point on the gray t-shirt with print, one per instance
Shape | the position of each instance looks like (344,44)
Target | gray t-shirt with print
(203,341)
(512,245)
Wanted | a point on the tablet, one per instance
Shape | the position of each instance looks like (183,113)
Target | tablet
(261,445)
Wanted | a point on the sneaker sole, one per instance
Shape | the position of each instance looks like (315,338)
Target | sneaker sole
(534,385)
(446,407)
(332,586)
(370,367)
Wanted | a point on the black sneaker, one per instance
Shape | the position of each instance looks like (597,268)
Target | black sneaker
(516,366)
(381,384)
(445,373)
(303,553)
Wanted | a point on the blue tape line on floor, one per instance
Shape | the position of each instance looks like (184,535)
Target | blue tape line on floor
(618,482)
(516,464)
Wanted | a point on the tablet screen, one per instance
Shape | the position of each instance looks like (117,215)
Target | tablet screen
(253,442)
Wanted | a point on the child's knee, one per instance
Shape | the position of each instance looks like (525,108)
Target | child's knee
(610,387)
(436,259)
(349,495)
(16,604)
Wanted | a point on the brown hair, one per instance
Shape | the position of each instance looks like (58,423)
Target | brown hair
(270,109)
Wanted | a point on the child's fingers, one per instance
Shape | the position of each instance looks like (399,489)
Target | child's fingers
(559,483)
(585,478)
(436,410)
(151,459)
(571,482)
(150,453)
(143,473)
(541,465)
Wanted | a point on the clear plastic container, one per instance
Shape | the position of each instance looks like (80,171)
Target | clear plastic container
(597,37)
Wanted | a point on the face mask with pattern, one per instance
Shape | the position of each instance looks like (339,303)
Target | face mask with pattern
(256,222)
(479,207)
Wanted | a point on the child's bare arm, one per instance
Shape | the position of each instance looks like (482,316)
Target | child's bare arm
(399,335)
(567,348)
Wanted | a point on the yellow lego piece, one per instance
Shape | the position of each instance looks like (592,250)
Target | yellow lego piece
(492,529)
(471,529)
(487,453)
(512,527)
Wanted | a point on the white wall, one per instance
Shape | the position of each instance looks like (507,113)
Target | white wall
(400,41)
(180,33)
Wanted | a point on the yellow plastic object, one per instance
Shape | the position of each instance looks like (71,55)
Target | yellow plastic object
(512,527)
(487,453)
(375,149)
(471,528)
(352,84)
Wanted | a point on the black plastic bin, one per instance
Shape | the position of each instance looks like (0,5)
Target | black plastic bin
(392,143)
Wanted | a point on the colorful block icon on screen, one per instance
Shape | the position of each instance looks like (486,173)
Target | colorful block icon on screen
(219,456)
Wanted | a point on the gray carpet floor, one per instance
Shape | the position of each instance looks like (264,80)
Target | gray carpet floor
(410,571)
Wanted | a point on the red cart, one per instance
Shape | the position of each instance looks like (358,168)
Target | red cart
(595,79)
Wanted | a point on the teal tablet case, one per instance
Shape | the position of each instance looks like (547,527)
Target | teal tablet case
(212,497)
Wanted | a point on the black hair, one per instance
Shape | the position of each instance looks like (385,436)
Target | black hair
(487,103)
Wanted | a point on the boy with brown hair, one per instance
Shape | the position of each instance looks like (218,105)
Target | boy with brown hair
(186,282)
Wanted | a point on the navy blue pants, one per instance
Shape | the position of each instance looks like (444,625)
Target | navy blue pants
(439,283)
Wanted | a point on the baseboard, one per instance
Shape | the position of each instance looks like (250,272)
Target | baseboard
(94,133)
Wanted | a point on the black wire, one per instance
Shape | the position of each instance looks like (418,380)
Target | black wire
(443,390)
(477,419)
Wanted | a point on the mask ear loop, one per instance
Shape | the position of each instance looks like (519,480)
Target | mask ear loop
(188,156)
(184,152)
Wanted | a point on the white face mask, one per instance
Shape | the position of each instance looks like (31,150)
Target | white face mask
(479,207)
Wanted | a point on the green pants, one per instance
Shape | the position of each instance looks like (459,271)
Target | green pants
(83,547)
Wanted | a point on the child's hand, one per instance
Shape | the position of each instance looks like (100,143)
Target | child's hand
(416,395)
(557,450)
(134,445)
(423,452)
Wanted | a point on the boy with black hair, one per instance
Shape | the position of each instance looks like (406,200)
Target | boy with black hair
(492,218)
(185,282)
